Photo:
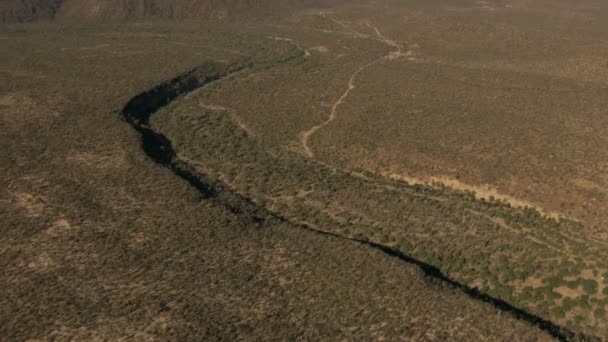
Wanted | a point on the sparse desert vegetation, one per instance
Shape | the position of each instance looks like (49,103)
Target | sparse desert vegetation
(316,170)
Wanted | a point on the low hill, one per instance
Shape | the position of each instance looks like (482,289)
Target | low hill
(96,10)
(27,10)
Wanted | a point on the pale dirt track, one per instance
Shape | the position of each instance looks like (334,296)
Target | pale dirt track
(394,54)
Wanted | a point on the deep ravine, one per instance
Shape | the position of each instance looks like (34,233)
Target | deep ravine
(138,111)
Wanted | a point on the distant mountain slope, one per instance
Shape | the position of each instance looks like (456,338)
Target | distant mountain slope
(28,10)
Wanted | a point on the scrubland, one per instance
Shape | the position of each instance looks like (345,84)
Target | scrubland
(99,242)
(432,170)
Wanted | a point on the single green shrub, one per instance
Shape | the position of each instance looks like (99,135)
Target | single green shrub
(405,246)
(590,286)
(559,312)
(583,304)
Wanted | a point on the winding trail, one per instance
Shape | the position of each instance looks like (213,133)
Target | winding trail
(334,109)
(392,55)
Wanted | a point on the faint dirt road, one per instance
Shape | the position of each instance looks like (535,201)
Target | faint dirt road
(396,53)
